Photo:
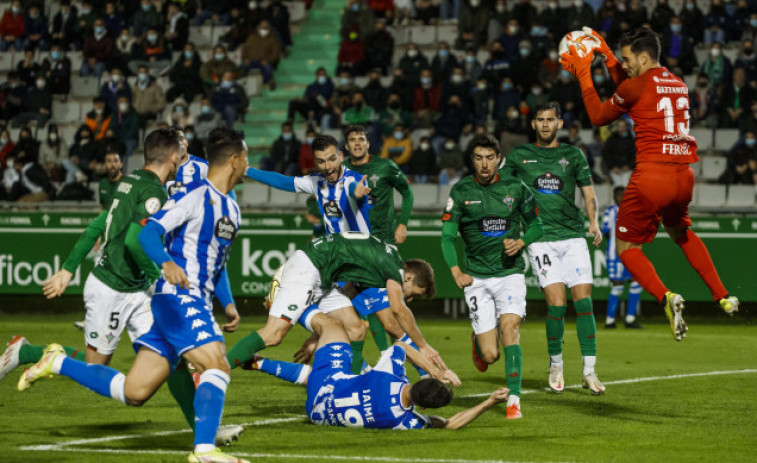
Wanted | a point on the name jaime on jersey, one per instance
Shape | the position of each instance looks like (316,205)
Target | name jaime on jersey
(548,184)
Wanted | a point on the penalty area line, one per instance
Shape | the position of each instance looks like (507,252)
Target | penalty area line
(633,380)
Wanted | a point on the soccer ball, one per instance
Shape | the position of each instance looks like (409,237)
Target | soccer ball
(275,285)
(584,43)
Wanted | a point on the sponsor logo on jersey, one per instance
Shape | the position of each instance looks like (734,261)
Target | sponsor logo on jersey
(622,229)
(93,335)
(186,299)
(191,312)
(331,209)
(197,323)
(202,335)
(467,203)
(564,163)
(177,187)
(509,201)
(527,161)
(494,226)
(548,183)
(336,363)
(225,229)
(670,80)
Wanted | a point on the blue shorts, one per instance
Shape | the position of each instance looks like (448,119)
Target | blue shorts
(182,323)
(328,361)
(616,271)
(370,300)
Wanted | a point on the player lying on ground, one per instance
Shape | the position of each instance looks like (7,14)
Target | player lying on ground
(361,259)
(560,256)
(199,227)
(490,210)
(662,182)
(382,398)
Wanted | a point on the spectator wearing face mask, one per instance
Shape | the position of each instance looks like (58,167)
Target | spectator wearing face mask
(505,96)
(426,99)
(717,66)
(678,48)
(149,98)
(115,87)
(63,31)
(351,53)
(177,27)
(703,103)
(411,63)
(398,147)
(750,29)
(306,158)
(315,101)
(715,22)
(422,166)
(747,60)
(185,76)
(525,66)
(125,124)
(125,43)
(36,33)
(12,27)
(374,91)
(536,97)
(741,167)
(443,62)
(457,85)
(553,18)
(357,13)
(549,68)
(579,14)
(284,156)
(98,48)
(498,65)
(262,51)
(82,155)
(602,83)
(98,119)
(195,146)
(37,105)
(145,18)
(379,49)
(212,70)
(58,69)
(28,69)
(358,112)
(736,97)
(153,53)
(393,114)
(472,24)
(451,162)
(452,122)
(512,130)
(179,115)
(6,147)
(207,120)
(472,69)
(52,152)
(692,18)
(619,154)
(510,40)
(480,101)
(229,99)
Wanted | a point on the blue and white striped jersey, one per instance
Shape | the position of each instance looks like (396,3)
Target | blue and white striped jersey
(340,211)
(200,224)
(193,169)
(609,218)
(370,400)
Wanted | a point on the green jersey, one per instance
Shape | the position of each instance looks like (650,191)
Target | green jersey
(107,190)
(383,177)
(313,209)
(552,174)
(138,196)
(485,216)
(355,257)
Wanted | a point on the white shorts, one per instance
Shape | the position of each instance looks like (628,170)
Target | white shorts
(110,311)
(300,286)
(333,301)
(567,262)
(490,298)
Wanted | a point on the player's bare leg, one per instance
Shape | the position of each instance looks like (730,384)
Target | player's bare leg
(356,332)
(92,356)
(509,327)
(148,372)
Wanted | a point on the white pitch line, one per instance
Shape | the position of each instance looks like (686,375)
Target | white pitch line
(634,380)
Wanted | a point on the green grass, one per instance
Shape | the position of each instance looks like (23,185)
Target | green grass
(688,419)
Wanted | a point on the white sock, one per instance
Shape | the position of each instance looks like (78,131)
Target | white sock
(58,363)
(609,320)
(202,448)
(304,373)
(118,388)
(513,399)
(630,318)
(555,359)
(589,362)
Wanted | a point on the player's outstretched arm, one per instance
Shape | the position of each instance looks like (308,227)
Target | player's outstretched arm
(613,64)
(359,190)
(599,113)
(273,179)
(592,211)
(459,420)
(416,358)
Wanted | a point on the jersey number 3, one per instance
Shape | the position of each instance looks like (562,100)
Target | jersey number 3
(666,106)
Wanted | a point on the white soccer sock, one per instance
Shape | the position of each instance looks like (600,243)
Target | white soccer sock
(589,362)
(118,388)
(609,320)
(304,373)
(555,359)
(202,448)
(58,363)
(513,399)
(630,318)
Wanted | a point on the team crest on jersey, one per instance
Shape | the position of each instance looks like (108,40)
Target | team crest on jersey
(494,227)
(374,178)
(331,209)
(225,229)
(548,183)
(564,163)
(152,205)
(509,201)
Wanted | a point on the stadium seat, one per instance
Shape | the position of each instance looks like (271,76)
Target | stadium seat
(296,11)
(741,196)
(281,199)
(443,196)
(447,32)
(201,36)
(423,35)
(252,84)
(417,134)
(218,32)
(6,62)
(66,111)
(254,194)
(709,195)
(401,35)
(697,168)
(84,86)
(76,59)
(426,196)
(703,137)
(712,167)
(725,139)
(68,131)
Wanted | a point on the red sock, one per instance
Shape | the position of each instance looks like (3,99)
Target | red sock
(643,272)
(699,258)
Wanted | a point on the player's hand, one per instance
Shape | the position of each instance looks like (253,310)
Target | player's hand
(57,284)
(594,231)
(232,319)
(400,234)
(175,275)
(500,395)
(449,377)
(576,65)
(513,247)
(433,356)
(603,49)
(306,352)
(462,279)
(361,189)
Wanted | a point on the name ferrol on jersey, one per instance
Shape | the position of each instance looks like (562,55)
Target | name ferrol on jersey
(552,174)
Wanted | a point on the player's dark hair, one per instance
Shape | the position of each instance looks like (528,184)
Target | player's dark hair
(322,142)
(424,275)
(159,145)
(618,190)
(354,128)
(548,106)
(223,143)
(430,393)
(642,40)
(484,141)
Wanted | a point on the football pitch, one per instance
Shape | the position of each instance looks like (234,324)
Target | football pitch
(665,401)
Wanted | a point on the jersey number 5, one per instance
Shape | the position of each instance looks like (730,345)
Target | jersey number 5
(666,106)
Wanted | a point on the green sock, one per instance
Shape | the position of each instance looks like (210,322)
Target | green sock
(513,368)
(378,332)
(586,327)
(357,356)
(32,354)
(555,328)
(182,387)
(245,349)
